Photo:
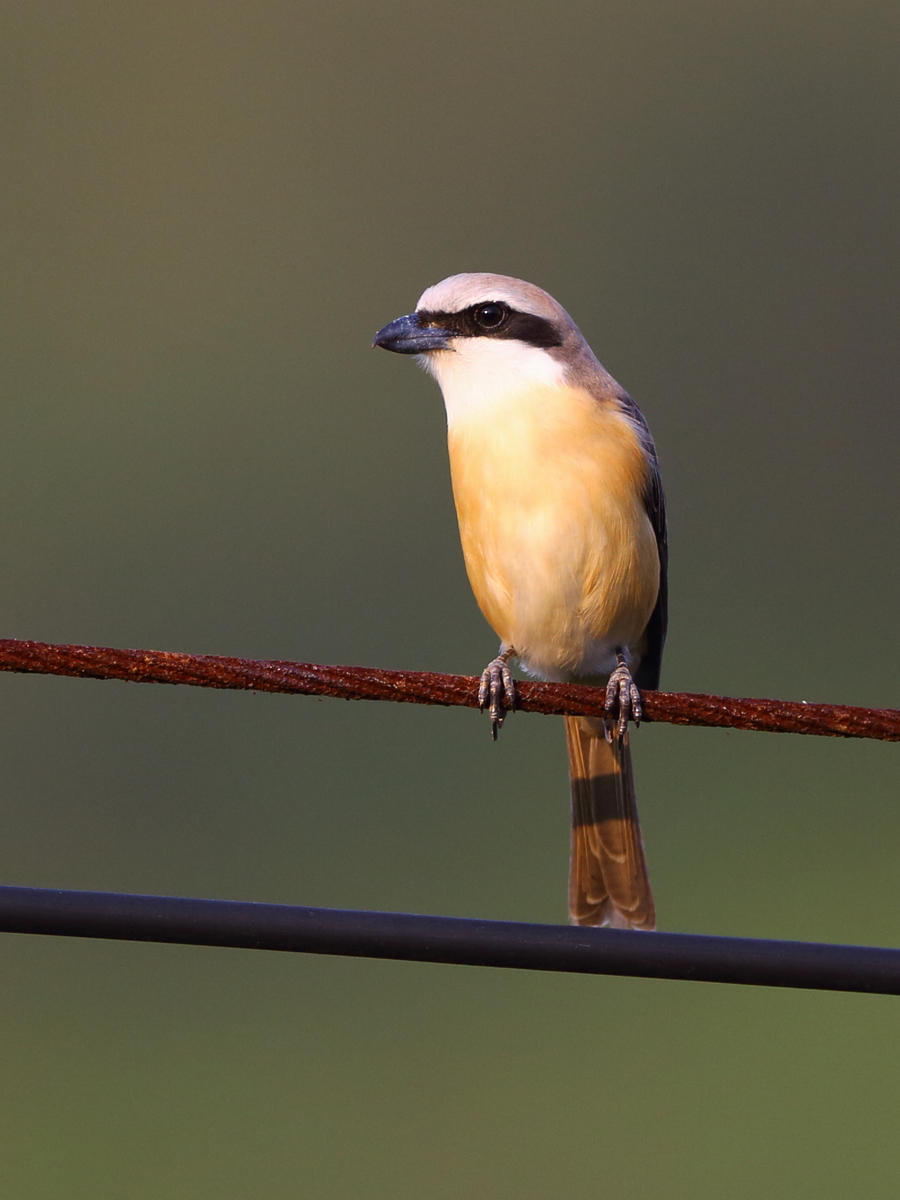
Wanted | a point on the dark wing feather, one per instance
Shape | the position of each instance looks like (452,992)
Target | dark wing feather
(647,674)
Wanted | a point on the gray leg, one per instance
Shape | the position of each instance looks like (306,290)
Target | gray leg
(497,690)
(623,700)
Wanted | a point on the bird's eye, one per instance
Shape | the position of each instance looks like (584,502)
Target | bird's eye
(490,316)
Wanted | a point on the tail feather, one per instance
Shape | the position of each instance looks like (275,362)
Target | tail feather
(608,880)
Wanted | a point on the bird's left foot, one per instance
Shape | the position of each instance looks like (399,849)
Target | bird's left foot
(623,701)
(497,690)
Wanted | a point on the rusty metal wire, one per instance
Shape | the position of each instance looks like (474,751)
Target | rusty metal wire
(423,687)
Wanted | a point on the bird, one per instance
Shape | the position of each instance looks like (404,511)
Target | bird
(562,523)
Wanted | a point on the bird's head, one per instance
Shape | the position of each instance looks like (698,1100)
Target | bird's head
(483,333)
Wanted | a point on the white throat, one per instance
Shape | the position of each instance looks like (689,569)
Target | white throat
(477,372)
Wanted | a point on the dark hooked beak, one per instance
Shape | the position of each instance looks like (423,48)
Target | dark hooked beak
(407,335)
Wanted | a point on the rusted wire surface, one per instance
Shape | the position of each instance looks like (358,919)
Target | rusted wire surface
(423,687)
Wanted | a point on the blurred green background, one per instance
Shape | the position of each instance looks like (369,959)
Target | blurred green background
(207,209)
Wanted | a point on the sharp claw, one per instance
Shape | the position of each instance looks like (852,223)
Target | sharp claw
(637,709)
(497,711)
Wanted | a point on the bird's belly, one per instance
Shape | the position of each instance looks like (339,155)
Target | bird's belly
(565,594)
(559,549)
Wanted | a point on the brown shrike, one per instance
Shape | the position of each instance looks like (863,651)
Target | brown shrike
(563,528)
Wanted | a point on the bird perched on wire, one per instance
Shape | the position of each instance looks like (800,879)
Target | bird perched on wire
(563,528)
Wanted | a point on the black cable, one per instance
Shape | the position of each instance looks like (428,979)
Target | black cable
(449,940)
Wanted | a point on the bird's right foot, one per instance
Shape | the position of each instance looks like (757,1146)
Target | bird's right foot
(497,690)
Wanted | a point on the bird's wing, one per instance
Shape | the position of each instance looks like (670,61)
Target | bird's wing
(647,674)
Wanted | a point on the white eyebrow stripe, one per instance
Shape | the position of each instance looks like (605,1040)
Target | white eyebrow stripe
(459,292)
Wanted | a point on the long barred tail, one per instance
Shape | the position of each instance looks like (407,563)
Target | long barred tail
(608,880)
